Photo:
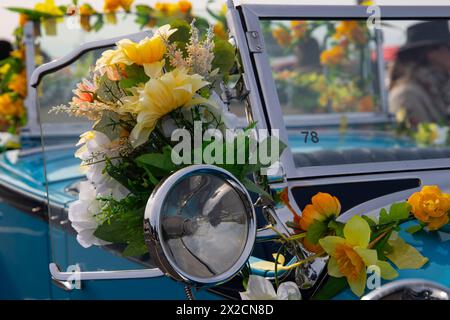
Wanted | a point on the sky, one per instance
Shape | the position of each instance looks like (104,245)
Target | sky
(9,20)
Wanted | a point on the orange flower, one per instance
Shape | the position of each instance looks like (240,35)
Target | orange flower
(366,104)
(23,19)
(84,92)
(10,107)
(332,56)
(86,10)
(282,36)
(18,84)
(185,6)
(299,28)
(350,30)
(219,31)
(322,207)
(431,206)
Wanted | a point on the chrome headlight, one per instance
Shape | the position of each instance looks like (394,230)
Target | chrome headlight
(200,225)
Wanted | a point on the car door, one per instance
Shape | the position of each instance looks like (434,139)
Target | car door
(341,137)
(77,272)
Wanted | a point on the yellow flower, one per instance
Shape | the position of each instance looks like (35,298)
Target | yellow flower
(332,56)
(350,30)
(111,6)
(322,207)
(159,97)
(148,52)
(18,54)
(5,68)
(18,84)
(23,19)
(184,6)
(10,107)
(282,36)
(49,7)
(299,28)
(350,255)
(431,206)
(167,8)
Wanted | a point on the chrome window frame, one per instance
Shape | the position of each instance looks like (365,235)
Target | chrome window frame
(244,21)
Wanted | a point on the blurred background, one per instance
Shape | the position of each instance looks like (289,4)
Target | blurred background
(9,19)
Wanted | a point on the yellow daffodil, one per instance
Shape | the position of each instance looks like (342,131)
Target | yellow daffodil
(148,52)
(431,206)
(219,30)
(18,54)
(322,207)
(18,84)
(159,97)
(350,256)
(49,7)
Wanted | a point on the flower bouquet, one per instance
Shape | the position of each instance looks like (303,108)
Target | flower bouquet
(143,98)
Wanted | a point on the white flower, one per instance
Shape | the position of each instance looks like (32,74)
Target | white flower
(82,213)
(259,288)
(220,111)
(96,148)
(441,135)
(9,140)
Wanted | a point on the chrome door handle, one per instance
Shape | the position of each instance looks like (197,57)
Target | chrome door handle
(103,275)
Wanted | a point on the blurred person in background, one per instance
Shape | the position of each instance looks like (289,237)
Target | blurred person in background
(420,76)
(5,49)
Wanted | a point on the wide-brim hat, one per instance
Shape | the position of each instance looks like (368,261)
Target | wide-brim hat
(427,34)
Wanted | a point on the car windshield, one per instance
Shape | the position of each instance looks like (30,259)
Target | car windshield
(351,92)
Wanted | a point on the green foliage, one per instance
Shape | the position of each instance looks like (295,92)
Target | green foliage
(224,56)
(330,289)
(135,76)
(316,231)
(160,161)
(397,212)
(108,90)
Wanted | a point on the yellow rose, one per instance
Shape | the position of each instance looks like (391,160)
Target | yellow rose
(431,206)
(159,97)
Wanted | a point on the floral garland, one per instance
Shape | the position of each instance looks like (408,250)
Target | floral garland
(13,83)
(361,242)
(137,95)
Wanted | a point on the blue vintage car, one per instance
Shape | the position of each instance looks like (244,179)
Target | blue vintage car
(355,153)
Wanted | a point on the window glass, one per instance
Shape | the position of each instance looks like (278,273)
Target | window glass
(350,93)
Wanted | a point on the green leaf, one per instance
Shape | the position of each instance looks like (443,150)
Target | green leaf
(224,56)
(338,227)
(414,229)
(135,76)
(316,231)
(369,221)
(112,231)
(98,25)
(183,32)
(161,161)
(135,249)
(397,212)
(252,187)
(331,288)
